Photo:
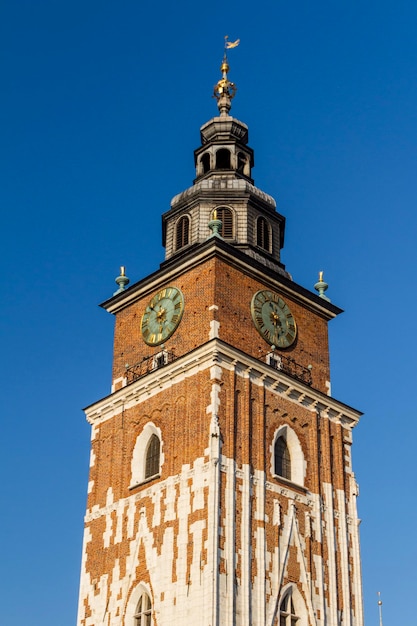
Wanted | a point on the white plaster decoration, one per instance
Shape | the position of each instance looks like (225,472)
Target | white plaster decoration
(131,517)
(198,486)
(213,530)
(229,554)
(277,514)
(245,552)
(329,387)
(327,490)
(109,522)
(121,381)
(156,501)
(120,515)
(169,501)
(344,557)
(85,579)
(260,544)
(214,329)
(356,575)
(90,486)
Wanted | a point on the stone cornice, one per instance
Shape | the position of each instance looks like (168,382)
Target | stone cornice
(211,248)
(209,185)
(216,352)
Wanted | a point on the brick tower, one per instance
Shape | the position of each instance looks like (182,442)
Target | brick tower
(221,491)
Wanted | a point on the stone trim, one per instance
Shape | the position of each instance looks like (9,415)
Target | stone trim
(216,352)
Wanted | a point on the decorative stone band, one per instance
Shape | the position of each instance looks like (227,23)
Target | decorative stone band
(229,183)
(216,352)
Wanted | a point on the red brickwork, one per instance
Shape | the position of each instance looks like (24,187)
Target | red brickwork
(215,283)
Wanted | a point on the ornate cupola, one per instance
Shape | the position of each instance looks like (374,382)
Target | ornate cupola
(223,189)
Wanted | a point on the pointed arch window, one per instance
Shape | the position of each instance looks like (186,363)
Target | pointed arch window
(282,459)
(226,216)
(287,456)
(152,457)
(287,613)
(263,237)
(143,614)
(183,232)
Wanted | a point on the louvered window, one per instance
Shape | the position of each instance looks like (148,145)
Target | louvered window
(226,216)
(262,234)
(143,615)
(152,457)
(183,232)
(282,459)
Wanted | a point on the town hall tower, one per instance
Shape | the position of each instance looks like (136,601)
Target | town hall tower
(221,491)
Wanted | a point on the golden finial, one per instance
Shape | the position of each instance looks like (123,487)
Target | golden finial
(321,287)
(122,280)
(225,90)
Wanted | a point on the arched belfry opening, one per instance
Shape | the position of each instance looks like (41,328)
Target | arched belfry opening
(241,163)
(205,162)
(223,159)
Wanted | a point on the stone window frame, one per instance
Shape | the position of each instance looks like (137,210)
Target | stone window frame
(134,617)
(297,460)
(296,613)
(139,456)
(260,236)
(182,239)
(231,211)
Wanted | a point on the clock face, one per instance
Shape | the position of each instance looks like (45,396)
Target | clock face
(162,316)
(273,319)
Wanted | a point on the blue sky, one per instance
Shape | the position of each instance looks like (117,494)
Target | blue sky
(101,108)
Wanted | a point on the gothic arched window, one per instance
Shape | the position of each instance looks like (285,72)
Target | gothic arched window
(226,216)
(143,614)
(287,614)
(263,239)
(223,159)
(147,455)
(282,459)
(287,456)
(183,232)
(152,457)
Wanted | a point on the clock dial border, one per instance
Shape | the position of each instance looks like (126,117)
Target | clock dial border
(268,307)
(162,316)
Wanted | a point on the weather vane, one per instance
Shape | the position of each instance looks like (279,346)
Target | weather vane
(228,45)
(225,90)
